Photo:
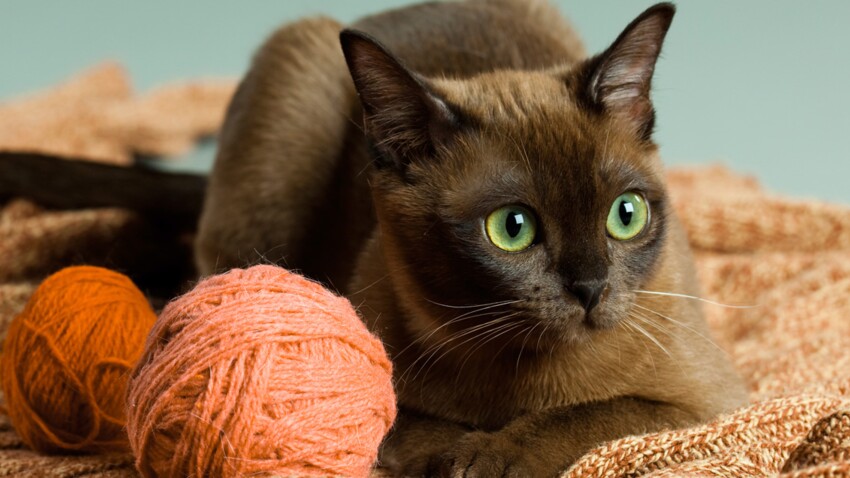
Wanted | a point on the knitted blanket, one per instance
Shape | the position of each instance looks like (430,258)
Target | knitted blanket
(787,259)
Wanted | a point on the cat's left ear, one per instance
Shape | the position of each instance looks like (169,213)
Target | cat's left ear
(619,79)
(402,115)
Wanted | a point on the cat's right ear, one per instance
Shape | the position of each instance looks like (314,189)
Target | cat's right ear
(402,116)
(619,79)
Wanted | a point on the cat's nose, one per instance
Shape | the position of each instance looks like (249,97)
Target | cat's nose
(588,292)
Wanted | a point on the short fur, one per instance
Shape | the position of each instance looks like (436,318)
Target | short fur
(501,368)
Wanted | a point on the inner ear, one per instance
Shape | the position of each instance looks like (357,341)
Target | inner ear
(620,78)
(402,115)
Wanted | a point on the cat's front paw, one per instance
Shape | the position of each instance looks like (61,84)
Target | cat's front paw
(490,455)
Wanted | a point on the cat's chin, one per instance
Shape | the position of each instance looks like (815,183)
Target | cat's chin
(572,331)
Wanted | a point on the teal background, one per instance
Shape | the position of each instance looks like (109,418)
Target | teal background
(762,85)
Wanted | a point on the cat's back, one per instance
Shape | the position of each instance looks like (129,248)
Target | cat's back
(287,185)
(460,39)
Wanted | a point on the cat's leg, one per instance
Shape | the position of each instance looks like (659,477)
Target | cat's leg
(272,190)
(415,444)
(543,444)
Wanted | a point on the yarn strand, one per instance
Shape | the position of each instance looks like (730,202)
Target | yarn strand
(259,371)
(66,360)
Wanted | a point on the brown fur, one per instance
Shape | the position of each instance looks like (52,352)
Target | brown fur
(281,170)
(501,109)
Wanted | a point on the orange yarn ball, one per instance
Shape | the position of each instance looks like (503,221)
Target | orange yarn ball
(259,372)
(67,356)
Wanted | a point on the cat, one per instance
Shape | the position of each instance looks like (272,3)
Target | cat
(492,201)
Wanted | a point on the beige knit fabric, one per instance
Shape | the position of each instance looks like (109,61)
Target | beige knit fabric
(95,116)
(788,258)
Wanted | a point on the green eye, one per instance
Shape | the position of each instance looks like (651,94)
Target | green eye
(628,216)
(511,228)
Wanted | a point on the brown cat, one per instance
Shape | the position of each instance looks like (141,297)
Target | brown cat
(503,225)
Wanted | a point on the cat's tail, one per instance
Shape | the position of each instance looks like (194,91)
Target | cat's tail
(166,198)
(151,246)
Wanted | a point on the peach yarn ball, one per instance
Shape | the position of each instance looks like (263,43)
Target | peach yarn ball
(259,372)
(67,357)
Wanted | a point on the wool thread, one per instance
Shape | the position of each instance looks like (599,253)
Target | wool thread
(259,371)
(67,356)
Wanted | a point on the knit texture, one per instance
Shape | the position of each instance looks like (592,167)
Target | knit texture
(260,372)
(96,116)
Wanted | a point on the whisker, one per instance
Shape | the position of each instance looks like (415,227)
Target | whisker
(479,327)
(681,324)
(431,351)
(365,288)
(542,333)
(474,337)
(503,302)
(629,325)
(478,312)
(652,338)
(522,348)
(498,352)
(465,316)
(551,350)
(473,350)
(490,337)
(647,320)
(658,326)
(693,297)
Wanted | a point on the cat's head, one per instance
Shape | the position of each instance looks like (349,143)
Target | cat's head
(526,204)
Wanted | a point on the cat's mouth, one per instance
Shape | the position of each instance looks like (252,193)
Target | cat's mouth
(572,325)
(565,321)
(539,331)
(536,325)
